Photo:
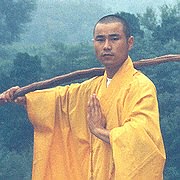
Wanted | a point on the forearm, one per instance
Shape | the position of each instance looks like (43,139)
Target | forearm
(102,134)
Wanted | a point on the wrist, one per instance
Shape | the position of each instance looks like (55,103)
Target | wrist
(102,134)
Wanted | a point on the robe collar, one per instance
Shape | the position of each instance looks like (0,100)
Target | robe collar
(122,78)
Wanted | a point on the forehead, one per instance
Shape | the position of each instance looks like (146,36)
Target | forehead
(108,28)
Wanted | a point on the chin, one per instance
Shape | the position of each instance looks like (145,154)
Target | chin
(107,60)
(107,64)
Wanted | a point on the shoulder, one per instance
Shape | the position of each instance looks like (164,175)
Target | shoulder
(95,79)
(142,83)
(92,82)
(86,85)
(141,80)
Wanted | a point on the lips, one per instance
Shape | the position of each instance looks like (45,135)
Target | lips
(107,54)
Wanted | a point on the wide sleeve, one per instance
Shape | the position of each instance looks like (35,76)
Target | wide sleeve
(60,135)
(137,145)
(41,109)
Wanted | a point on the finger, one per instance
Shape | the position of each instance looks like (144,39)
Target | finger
(3,98)
(96,104)
(7,96)
(92,101)
(20,100)
(90,105)
(12,91)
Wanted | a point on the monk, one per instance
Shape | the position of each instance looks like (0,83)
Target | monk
(106,128)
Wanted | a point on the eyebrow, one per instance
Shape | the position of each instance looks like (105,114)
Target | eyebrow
(110,35)
(114,35)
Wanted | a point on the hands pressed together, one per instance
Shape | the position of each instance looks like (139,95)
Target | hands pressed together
(8,96)
(96,120)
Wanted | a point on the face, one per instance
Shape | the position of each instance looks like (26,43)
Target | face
(111,44)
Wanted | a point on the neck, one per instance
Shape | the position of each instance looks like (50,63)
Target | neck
(111,71)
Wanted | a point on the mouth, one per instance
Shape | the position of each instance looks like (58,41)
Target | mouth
(107,54)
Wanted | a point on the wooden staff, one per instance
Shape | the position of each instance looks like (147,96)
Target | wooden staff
(88,73)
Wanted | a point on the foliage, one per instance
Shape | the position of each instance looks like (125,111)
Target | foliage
(134,24)
(168,27)
(25,69)
(148,20)
(13,16)
(60,59)
(15,166)
(24,65)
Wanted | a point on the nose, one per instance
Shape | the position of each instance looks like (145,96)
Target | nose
(107,45)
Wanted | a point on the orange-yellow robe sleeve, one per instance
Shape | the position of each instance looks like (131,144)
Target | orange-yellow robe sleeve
(137,145)
(61,139)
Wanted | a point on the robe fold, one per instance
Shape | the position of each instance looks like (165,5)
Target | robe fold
(64,148)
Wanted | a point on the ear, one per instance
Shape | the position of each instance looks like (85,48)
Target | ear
(93,41)
(130,42)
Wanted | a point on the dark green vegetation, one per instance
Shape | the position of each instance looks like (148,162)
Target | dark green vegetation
(155,35)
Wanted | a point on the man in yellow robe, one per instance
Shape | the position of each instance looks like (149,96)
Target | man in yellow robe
(104,128)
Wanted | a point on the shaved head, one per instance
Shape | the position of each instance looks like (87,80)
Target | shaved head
(112,18)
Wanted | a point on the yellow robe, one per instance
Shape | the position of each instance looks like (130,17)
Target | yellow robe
(64,149)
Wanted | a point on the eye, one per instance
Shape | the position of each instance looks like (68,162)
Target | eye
(115,38)
(100,39)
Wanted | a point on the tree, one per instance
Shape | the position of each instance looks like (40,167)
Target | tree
(148,19)
(16,131)
(59,58)
(13,16)
(134,23)
(161,32)
(168,27)
(26,69)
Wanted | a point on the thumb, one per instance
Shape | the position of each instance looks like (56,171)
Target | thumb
(20,100)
